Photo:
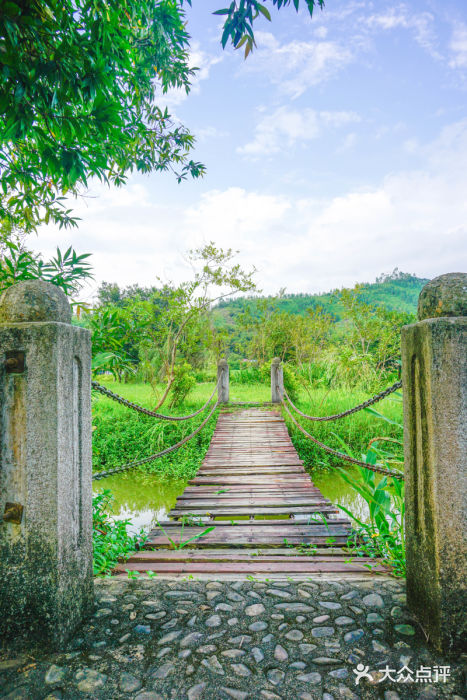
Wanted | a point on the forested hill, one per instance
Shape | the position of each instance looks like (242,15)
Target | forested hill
(397,291)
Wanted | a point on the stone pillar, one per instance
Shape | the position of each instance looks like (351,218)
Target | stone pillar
(277,381)
(434,361)
(223,379)
(45,469)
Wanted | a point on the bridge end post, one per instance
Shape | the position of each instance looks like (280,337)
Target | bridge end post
(45,478)
(223,381)
(434,360)
(277,381)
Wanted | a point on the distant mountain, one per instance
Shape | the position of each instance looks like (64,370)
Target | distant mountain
(397,291)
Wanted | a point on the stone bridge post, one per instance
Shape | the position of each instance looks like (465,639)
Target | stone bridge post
(434,359)
(223,379)
(277,381)
(45,469)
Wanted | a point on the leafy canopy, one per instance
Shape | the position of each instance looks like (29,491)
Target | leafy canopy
(79,82)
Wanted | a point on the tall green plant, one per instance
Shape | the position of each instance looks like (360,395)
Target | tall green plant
(110,537)
(183,383)
(383,536)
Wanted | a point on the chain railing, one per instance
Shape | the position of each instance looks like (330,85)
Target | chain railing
(369,402)
(140,409)
(342,455)
(151,458)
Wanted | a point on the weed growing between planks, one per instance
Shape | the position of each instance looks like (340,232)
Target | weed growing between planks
(191,521)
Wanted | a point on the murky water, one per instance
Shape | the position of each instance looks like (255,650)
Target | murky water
(145,498)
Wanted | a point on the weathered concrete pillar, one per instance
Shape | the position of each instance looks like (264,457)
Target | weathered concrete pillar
(223,379)
(46,584)
(434,359)
(277,381)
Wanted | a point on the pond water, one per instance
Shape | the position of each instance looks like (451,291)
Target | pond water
(145,498)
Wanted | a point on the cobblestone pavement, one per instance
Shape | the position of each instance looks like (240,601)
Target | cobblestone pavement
(246,639)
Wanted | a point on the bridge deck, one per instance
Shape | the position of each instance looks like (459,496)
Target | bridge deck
(267,515)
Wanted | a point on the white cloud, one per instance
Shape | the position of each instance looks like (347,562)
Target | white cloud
(234,217)
(285,127)
(349,142)
(298,65)
(422,25)
(321,32)
(458,47)
(209,133)
(415,220)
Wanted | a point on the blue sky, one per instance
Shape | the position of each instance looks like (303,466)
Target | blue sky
(337,151)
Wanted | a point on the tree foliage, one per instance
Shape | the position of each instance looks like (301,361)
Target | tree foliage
(80,82)
(240,16)
(79,79)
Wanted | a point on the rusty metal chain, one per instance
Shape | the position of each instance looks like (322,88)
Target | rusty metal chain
(151,458)
(342,455)
(369,402)
(140,409)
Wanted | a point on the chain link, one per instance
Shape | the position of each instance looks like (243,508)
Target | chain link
(140,409)
(342,455)
(151,458)
(379,397)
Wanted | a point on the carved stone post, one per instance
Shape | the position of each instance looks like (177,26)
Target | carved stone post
(277,381)
(45,473)
(223,379)
(434,357)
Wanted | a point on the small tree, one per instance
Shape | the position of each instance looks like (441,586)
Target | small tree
(215,277)
(17,264)
(171,322)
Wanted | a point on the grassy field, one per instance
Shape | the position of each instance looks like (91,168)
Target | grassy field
(122,435)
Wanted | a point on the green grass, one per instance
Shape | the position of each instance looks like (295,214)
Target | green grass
(356,430)
(122,435)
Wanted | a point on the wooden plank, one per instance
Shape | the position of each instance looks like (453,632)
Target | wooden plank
(262,522)
(296,565)
(272,555)
(252,503)
(258,527)
(240,510)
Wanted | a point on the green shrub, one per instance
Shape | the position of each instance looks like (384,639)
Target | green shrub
(246,375)
(205,375)
(110,537)
(182,385)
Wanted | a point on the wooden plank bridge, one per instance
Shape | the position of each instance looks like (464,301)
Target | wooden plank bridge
(267,516)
